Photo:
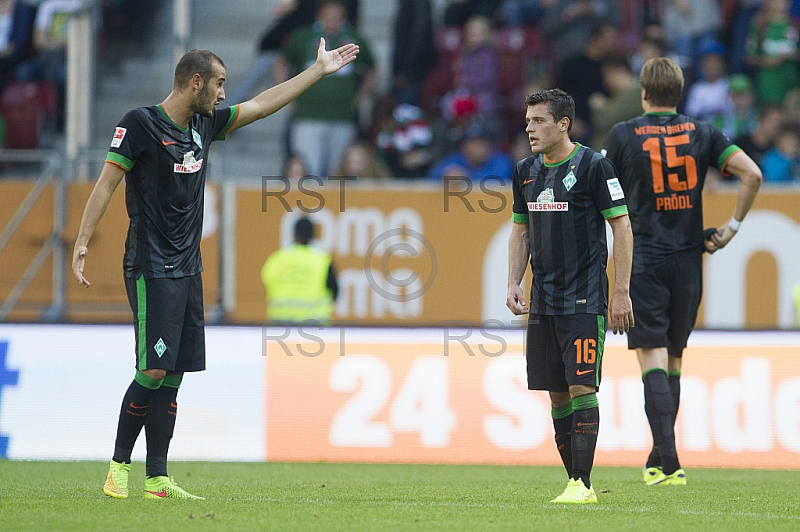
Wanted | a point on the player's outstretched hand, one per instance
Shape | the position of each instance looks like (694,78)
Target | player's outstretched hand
(621,313)
(78,258)
(516,301)
(333,60)
(719,239)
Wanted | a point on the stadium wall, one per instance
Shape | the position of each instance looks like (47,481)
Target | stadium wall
(446,395)
(454,263)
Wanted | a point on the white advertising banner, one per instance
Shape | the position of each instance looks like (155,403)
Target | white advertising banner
(446,395)
(61,388)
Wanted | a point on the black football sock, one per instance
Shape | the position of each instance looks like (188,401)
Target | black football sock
(562,423)
(132,415)
(675,390)
(659,410)
(654,459)
(585,425)
(160,426)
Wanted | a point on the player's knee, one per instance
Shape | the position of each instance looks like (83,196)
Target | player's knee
(559,399)
(578,390)
(155,374)
(172,381)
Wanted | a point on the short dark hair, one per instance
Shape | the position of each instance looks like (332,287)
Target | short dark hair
(196,62)
(303,230)
(560,104)
(325,3)
(662,81)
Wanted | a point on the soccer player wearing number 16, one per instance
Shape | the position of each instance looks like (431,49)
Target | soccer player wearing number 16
(563,195)
(662,158)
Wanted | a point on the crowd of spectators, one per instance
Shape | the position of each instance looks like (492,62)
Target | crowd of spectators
(458,79)
(458,75)
(33,60)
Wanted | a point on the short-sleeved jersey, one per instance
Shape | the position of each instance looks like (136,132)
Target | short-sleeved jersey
(565,205)
(166,171)
(662,160)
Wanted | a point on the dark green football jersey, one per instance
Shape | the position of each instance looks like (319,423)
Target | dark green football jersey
(565,205)
(166,172)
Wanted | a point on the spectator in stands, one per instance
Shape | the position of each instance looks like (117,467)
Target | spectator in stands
(762,139)
(7,52)
(708,97)
(478,67)
(772,49)
(649,47)
(687,26)
(16,28)
(359,161)
(458,12)
(414,52)
(321,132)
(404,141)
(581,76)
(740,27)
(518,13)
(287,16)
(742,118)
(791,104)
(50,44)
(624,102)
(294,168)
(781,163)
(477,157)
(569,25)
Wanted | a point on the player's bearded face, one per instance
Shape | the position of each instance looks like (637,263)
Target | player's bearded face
(204,100)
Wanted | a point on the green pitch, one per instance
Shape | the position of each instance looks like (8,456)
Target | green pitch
(67,496)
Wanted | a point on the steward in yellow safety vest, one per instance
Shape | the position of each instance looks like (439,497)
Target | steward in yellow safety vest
(300,280)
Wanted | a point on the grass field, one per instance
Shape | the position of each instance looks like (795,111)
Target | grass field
(67,496)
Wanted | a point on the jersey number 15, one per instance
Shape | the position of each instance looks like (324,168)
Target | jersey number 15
(653,147)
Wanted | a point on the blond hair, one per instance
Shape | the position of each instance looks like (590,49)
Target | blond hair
(662,81)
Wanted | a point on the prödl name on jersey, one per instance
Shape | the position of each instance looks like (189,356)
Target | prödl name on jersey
(189,165)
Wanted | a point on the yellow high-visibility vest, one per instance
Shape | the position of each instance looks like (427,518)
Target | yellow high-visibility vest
(295,279)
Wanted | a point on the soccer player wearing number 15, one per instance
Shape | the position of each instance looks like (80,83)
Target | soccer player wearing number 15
(662,158)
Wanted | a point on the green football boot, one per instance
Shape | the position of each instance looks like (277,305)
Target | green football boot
(165,488)
(116,485)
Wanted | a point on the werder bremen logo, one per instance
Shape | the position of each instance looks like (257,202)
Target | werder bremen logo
(546,196)
(160,347)
(569,181)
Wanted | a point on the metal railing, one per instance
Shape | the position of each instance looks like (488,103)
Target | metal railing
(51,162)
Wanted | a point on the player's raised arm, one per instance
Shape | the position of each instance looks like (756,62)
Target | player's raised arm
(269,101)
(110,177)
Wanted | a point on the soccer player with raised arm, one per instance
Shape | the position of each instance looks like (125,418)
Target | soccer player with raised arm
(162,151)
(662,158)
(563,195)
